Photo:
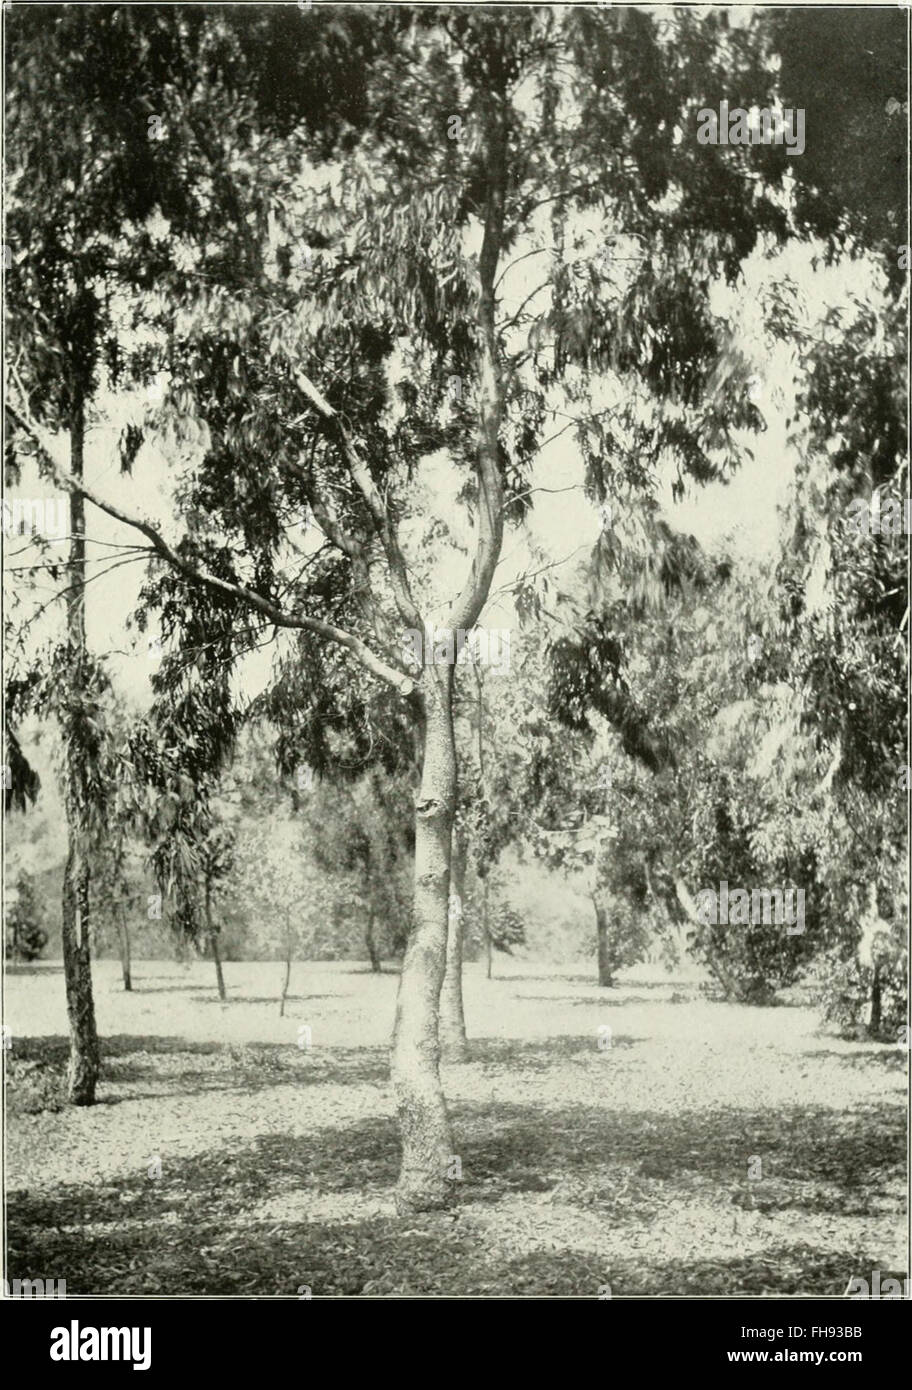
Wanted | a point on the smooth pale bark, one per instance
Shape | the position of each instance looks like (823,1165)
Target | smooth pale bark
(485,921)
(424,1126)
(125,951)
(82,1072)
(453,1043)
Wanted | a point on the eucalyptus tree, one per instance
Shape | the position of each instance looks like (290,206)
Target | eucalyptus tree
(83,177)
(842,586)
(118,119)
(367,307)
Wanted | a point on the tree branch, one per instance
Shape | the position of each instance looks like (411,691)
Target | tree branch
(383,522)
(196,575)
(467,608)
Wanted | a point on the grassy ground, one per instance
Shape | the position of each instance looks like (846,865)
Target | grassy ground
(225,1159)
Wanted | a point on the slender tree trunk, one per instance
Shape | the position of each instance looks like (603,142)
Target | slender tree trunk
(125,951)
(673,929)
(605,960)
(423,1123)
(453,1043)
(212,933)
(871,924)
(485,921)
(875,1022)
(82,1074)
(216,956)
(376,964)
(486,927)
(287,979)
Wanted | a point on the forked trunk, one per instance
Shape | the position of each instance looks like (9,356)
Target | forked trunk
(424,1126)
(415,1068)
(453,1044)
(82,1073)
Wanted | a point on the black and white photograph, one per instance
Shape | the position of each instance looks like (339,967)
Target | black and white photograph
(455,664)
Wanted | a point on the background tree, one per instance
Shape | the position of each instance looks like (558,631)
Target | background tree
(363,832)
(118,895)
(272,881)
(25,936)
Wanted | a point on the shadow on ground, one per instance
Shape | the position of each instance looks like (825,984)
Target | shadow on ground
(199,1227)
(890,1059)
(265,998)
(541,1055)
(36,1068)
(604,996)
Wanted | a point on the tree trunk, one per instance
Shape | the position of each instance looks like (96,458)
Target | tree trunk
(82,1073)
(875,1023)
(415,1071)
(376,964)
(219,977)
(605,961)
(872,924)
(486,927)
(674,930)
(286,981)
(453,1043)
(424,1126)
(212,933)
(717,967)
(125,951)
